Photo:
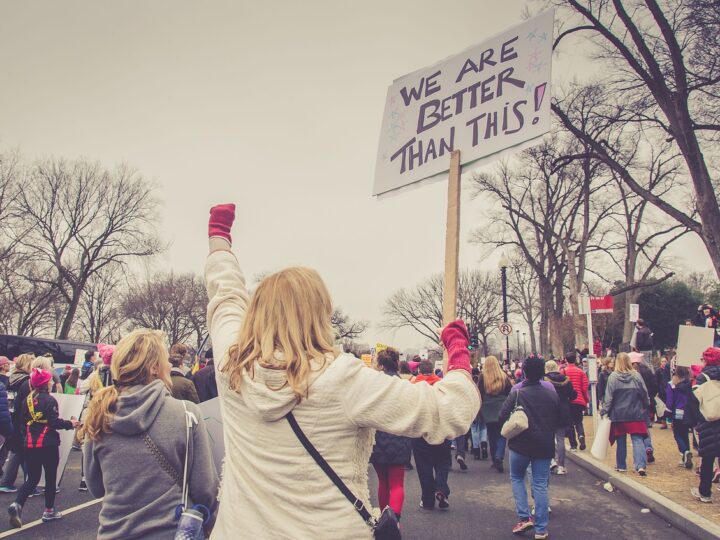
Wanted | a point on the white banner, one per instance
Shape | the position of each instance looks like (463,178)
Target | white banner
(491,97)
(692,342)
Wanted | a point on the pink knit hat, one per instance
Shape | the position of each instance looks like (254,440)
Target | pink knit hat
(636,357)
(4,360)
(106,352)
(712,356)
(39,378)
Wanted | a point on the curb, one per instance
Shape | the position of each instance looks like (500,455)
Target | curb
(678,516)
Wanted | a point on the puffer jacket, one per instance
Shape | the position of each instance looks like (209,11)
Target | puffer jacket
(565,392)
(626,398)
(542,406)
(6,423)
(708,432)
(390,449)
(491,404)
(41,420)
(580,383)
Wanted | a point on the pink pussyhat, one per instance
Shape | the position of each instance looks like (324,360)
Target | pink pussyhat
(106,352)
(39,378)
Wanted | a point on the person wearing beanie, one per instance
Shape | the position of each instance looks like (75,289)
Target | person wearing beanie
(708,432)
(40,415)
(579,380)
(534,447)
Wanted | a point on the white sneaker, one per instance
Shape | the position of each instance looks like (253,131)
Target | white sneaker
(553,465)
(561,471)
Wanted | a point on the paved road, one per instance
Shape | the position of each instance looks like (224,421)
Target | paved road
(481,507)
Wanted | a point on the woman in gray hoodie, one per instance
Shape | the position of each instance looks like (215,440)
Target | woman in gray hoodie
(135,446)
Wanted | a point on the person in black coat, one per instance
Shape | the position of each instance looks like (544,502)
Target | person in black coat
(708,432)
(18,389)
(566,393)
(534,447)
(391,453)
(205,382)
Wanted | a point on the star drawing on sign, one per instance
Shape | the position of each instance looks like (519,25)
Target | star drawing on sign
(543,36)
(532,35)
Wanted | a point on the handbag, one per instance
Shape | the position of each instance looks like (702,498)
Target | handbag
(386,527)
(708,396)
(518,421)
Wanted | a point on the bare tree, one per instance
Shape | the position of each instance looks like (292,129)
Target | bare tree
(81,218)
(523,295)
(421,308)
(662,83)
(345,329)
(100,315)
(173,303)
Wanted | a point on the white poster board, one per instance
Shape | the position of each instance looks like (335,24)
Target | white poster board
(692,342)
(79,357)
(491,97)
(69,406)
(212,417)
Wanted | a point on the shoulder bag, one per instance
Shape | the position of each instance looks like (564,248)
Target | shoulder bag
(518,421)
(708,395)
(385,528)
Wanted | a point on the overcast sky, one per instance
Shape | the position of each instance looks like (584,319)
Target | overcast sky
(274,105)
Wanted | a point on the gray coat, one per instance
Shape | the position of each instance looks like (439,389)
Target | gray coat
(626,398)
(140,497)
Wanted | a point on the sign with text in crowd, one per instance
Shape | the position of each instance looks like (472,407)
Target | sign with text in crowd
(489,98)
(69,406)
(692,342)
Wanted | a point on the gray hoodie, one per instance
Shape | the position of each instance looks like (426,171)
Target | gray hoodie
(626,397)
(139,496)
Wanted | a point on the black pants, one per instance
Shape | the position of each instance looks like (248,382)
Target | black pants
(432,462)
(706,474)
(576,412)
(493,431)
(38,459)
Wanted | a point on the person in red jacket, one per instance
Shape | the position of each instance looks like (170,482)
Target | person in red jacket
(579,381)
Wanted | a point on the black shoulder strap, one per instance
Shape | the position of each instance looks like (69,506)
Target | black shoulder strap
(328,470)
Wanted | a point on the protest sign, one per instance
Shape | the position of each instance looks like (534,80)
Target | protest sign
(367,359)
(692,341)
(491,97)
(69,406)
(213,423)
(79,357)
(634,312)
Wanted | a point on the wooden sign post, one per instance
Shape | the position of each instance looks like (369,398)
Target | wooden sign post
(452,245)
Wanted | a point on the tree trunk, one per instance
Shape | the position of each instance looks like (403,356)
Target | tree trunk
(70,315)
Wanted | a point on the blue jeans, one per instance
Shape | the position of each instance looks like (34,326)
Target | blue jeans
(638,445)
(500,452)
(478,433)
(540,478)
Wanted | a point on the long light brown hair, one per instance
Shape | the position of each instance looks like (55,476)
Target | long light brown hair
(494,379)
(289,314)
(623,364)
(140,358)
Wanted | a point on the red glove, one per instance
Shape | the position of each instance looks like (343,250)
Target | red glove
(222,217)
(455,338)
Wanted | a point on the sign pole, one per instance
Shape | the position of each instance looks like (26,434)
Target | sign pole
(592,371)
(452,244)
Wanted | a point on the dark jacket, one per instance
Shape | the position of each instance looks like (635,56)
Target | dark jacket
(6,423)
(644,339)
(710,321)
(662,378)
(41,430)
(676,400)
(205,383)
(19,387)
(390,449)
(709,432)
(602,384)
(626,398)
(542,407)
(491,404)
(565,392)
(182,388)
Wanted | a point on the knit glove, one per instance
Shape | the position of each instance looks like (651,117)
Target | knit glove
(455,338)
(222,217)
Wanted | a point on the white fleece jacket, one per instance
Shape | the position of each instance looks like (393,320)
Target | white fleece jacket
(271,487)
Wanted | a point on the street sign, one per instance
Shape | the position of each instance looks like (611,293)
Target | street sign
(634,312)
(505,329)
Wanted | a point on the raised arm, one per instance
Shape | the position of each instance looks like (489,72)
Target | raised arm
(227,294)
(438,412)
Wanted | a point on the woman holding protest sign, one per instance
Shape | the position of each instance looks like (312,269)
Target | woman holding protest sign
(296,412)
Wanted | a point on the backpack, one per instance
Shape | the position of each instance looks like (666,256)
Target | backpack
(708,396)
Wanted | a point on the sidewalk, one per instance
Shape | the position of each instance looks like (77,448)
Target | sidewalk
(666,489)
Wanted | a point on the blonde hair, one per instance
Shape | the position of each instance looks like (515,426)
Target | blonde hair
(494,379)
(136,361)
(42,362)
(550,366)
(623,364)
(23,363)
(290,314)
